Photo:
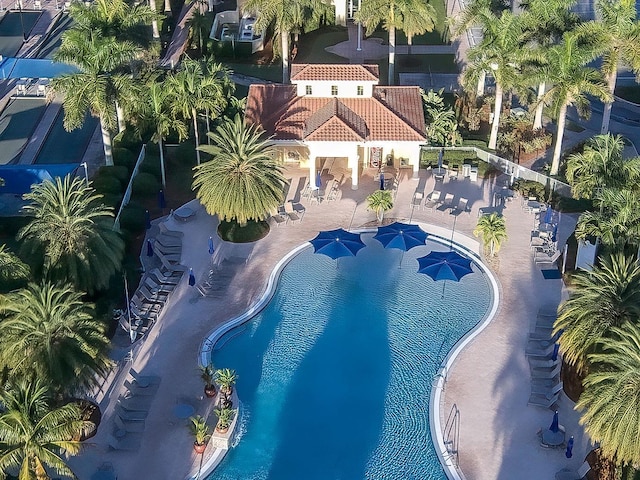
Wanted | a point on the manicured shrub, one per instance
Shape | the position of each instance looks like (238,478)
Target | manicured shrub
(145,184)
(107,183)
(118,171)
(124,157)
(112,200)
(151,165)
(132,218)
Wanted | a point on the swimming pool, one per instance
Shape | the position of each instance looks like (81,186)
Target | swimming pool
(12,27)
(335,373)
(61,146)
(17,122)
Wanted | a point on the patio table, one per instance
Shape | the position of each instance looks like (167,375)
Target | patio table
(184,213)
(439,173)
(552,439)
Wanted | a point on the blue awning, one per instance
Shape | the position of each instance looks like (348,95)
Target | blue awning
(18,179)
(11,67)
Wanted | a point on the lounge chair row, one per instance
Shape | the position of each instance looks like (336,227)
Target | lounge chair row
(288,212)
(434,201)
(544,361)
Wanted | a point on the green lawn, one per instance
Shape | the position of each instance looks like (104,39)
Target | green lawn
(439,35)
(311,46)
(271,71)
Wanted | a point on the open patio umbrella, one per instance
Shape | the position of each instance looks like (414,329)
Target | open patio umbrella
(337,243)
(192,277)
(149,249)
(402,236)
(555,426)
(211,249)
(569,452)
(445,266)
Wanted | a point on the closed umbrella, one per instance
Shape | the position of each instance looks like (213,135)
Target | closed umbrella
(381,181)
(162,202)
(555,426)
(318,179)
(149,249)
(548,215)
(192,277)
(569,452)
(554,235)
(211,249)
(554,354)
(337,243)
(440,157)
(147,219)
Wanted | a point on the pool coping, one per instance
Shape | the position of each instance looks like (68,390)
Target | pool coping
(452,472)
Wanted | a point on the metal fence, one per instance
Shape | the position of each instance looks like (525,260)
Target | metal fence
(127,193)
(513,169)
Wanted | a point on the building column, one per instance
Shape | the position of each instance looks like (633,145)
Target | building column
(341,12)
(354,164)
(416,160)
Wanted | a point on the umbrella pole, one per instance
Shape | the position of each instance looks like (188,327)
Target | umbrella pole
(444,284)
(401,258)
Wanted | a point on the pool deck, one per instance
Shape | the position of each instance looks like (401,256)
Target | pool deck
(489,382)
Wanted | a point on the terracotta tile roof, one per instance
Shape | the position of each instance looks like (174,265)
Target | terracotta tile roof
(340,117)
(392,114)
(338,72)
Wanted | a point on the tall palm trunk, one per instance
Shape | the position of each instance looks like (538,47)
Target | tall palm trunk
(162,170)
(284,40)
(481,81)
(167,6)
(120,115)
(106,143)
(392,55)
(154,22)
(409,43)
(194,114)
(537,119)
(557,150)
(606,114)
(493,138)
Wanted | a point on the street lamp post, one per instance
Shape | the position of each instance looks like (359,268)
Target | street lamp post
(359,48)
(86,172)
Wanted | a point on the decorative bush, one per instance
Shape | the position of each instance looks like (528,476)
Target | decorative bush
(145,184)
(151,165)
(132,218)
(529,188)
(118,171)
(124,157)
(105,183)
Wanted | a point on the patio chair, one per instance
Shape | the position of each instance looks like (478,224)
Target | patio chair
(147,296)
(546,259)
(168,241)
(155,287)
(544,402)
(129,416)
(167,278)
(141,391)
(135,404)
(543,340)
(432,200)
(129,427)
(548,392)
(169,252)
(166,231)
(533,363)
(542,353)
(170,263)
(127,443)
(143,380)
(292,214)
(279,218)
(447,203)
(417,199)
(545,373)
(566,474)
(143,309)
(461,207)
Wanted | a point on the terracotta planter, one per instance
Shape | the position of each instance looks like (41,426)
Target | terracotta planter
(210,392)
(199,448)
(222,430)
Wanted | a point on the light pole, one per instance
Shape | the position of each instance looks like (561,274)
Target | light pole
(86,172)
(24,34)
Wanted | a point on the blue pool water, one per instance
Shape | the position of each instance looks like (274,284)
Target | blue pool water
(335,373)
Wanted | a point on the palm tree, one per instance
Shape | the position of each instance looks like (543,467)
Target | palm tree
(227,379)
(610,402)
(243,180)
(49,332)
(198,87)
(544,23)
(116,18)
(416,16)
(34,436)
(616,223)
(572,81)
(73,233)
(284,17)
(198,30)
(616,32)
(493,230)
(380,201)
(606,297)
(11,267)
(601,165)
(96,87)
(155,112)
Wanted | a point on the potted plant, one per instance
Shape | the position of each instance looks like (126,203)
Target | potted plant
(200,430)
(225,416)
(208,375)
(226,379)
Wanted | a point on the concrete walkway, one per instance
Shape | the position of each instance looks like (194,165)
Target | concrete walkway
(489,382)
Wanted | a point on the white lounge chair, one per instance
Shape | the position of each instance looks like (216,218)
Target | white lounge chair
(292,214)
(540,353)
(166,231)
(129,427)
(566,474)
(432,200)
(417,199)
(155,288)
(168,241)
(462,207)
(545,373)
(447,202)
(279,217)
(545,259)
(127,443)
(534,363)
(543,401)
(143,380)
(547,392)
(137,390)
(168,278)
(131,416)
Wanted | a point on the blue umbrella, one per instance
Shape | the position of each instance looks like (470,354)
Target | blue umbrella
(569,452)
(318,179)
(337,243)
(548,216)
(401,235)
(554,235)
(554,354)
(149,249)
(445,266)
(381,181)
(555,426)
(440,157)
(147,219)
(162,202)
(211,249)
(192,277)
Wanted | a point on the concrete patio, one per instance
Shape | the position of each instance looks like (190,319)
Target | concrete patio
(489,382)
